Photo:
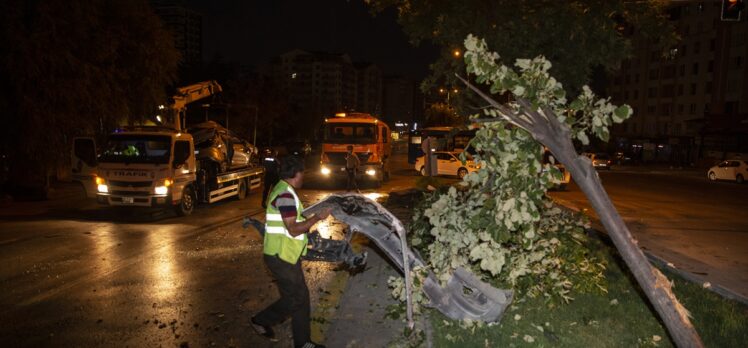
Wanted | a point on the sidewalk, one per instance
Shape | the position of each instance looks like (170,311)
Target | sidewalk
(360,320)
(61,195)
(660,169)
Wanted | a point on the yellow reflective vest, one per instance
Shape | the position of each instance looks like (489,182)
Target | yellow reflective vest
(278,241)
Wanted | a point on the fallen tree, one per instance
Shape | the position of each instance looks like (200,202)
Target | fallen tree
(541,109)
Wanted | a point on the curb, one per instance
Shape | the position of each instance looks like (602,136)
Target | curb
(716,288)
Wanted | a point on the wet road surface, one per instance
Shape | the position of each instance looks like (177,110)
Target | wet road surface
(79,275)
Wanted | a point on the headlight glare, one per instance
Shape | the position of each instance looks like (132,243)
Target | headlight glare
(371,172)
(325,171)
(102,188)
(161,190)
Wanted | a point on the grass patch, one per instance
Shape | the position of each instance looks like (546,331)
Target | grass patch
(620,318)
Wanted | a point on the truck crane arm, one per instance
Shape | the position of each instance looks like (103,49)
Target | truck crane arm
(189,94)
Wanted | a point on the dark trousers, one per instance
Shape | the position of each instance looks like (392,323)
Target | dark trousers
(352,184)
(293,301)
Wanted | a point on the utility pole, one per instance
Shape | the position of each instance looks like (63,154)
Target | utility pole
(254,138)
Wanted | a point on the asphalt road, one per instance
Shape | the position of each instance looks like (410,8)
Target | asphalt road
(697,225)
(75,274)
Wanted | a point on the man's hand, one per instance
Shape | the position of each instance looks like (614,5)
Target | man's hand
(297,228)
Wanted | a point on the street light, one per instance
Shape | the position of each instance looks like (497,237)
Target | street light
(448,91)
(456,53)
(254,136)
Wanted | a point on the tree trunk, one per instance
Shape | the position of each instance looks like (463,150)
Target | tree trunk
(655,285)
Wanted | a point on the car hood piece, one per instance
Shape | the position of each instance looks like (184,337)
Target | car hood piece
(482,302)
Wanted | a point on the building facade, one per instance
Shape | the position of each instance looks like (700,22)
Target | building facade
(369,86)
(321,84)
(691,102)
(185,26)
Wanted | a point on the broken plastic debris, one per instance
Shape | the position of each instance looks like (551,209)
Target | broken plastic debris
(482,302)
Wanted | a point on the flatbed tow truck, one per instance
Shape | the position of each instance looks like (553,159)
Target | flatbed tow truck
(155,166)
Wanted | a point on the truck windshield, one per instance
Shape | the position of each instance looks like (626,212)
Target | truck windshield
(350,133)
(137,149)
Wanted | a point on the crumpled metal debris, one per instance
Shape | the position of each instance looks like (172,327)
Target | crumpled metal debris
(319,248)
(464,297)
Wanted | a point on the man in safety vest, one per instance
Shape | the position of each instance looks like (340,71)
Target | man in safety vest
(285,242)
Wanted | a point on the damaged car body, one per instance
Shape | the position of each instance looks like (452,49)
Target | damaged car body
(465,296)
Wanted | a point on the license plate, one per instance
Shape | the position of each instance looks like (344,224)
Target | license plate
(128,200)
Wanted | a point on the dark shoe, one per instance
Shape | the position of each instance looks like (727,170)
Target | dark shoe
(310,345)
(264,331)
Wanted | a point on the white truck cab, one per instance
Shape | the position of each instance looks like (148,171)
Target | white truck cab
(143,166)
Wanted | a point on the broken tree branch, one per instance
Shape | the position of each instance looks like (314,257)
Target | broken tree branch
(555,135)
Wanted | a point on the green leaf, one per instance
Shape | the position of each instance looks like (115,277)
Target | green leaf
(621,113)
(576,105)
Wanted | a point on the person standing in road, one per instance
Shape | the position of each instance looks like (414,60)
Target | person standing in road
(351,167)
(270,163)
(284,244)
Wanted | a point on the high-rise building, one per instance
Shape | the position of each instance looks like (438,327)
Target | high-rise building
(321,84)
(185,26)
(368,88)
(690,102)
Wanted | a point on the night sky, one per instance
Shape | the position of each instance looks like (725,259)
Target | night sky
(252,32)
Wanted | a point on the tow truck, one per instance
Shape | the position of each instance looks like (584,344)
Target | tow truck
(371,141)
(155,165)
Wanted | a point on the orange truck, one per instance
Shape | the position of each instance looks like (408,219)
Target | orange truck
(371,140)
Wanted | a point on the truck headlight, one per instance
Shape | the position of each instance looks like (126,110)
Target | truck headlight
(101,185)
(371,172)
(163,188)
(325,171)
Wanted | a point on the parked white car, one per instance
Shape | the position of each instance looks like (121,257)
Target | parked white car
(448,163)
(733,170)
(599,160)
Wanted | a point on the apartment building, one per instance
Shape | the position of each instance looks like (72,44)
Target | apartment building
(322,83)
(690,102)
(369,88)
(186,27)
